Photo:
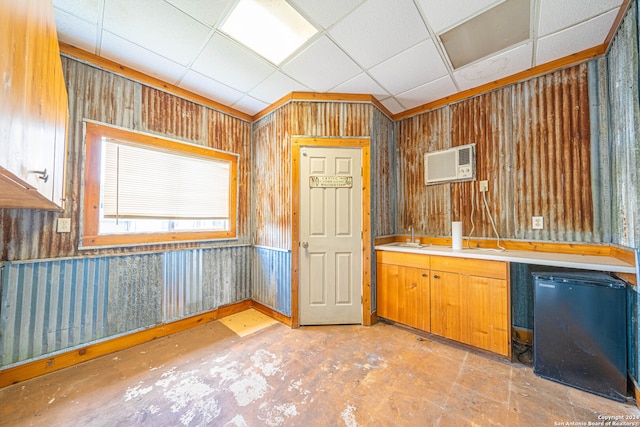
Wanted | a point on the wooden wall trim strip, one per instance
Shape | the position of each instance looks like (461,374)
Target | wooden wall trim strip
(616,23)
(106,64)
(539,70)
(47,365)
(286,320)
(323,97)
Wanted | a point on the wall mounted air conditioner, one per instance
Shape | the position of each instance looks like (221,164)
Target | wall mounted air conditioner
(450,165)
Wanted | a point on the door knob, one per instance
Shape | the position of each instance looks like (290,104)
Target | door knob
(305,245)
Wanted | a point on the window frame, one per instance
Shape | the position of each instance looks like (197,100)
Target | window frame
(90,229)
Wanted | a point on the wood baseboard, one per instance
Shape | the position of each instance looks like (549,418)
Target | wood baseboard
(522,335)
(73,357)
(271,313)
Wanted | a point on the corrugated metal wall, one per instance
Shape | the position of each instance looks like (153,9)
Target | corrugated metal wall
(64,297)
(615,81)
(105,97)
(619,78)
(533,146)
(53,305)
(272,180)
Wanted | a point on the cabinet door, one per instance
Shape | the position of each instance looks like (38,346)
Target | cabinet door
(413,283)
(33,102)
(485,313)
(386,285)
(403,295)
(445,304)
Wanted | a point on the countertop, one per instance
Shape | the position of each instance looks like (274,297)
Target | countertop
(586,262)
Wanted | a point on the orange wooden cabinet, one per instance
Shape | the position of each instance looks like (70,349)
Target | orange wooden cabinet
(470,302)
(34,106)
(403,291)
(466,300)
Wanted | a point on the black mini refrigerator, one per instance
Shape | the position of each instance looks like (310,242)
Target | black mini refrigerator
(579,335)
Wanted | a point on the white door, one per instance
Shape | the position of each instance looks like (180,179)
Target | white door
(330,236)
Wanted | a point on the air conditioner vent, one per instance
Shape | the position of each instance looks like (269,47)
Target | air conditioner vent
(450,165)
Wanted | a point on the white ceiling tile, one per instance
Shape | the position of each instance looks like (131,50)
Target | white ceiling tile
(321,66)
(207,12)
(378,30)
(443,15)
(156,26)
(502,65)
(429,92)
(413,67)
(392,105)
(326,12)
(124,52)
(556,15)
(574,39)
(250,105)
(275,87)
(229,63)
(362,84)
(87,10)
(75,31)
(216,91)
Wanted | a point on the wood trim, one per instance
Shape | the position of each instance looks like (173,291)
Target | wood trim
(616,23)
(90,232)
(286,320)
(106,64)
(322,97)
(626,255)
(70,358)
(565,62)
(628,277)
(364,144)
(515,245)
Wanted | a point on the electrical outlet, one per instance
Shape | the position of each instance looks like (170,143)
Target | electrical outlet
(537,223)
(484,186)
(64,225)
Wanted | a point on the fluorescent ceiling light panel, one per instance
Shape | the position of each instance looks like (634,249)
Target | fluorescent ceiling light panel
(500,27)
(271,28)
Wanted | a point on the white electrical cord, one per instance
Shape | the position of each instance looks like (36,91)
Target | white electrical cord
(493,224)
(473,205)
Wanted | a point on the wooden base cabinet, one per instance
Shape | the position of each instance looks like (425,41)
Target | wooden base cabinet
(403,293)
(466,300)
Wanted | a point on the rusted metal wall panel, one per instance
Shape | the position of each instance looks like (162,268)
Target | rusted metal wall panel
(55,305)
(533,146)
(426,208)
(271,274)
(486,121)
(272,181)
(105,97)
(383,178)
(552,156)
(622,76)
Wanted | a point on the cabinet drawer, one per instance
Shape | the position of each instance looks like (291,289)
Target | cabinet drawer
(474,267)
(402,258)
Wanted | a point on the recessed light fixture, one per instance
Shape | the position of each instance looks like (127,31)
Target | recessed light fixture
(271,28)
(500,27)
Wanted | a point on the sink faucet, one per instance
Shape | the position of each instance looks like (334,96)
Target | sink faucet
(412,235)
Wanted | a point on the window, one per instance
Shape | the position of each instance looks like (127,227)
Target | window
(145,189)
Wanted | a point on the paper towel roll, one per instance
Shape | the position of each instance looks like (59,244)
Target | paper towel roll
(456,235)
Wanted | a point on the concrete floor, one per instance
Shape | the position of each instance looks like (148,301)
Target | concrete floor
(313,376)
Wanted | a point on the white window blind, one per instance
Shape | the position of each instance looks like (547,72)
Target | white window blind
(144,182)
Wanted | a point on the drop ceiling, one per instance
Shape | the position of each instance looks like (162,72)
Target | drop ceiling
(390,49)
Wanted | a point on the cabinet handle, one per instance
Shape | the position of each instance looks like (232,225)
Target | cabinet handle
(435,276)
(424,274)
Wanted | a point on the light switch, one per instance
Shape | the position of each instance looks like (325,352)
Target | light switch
(64,225)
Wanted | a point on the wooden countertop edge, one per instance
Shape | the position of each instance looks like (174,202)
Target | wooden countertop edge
(626,256)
